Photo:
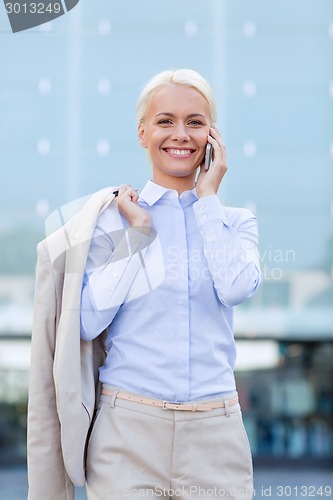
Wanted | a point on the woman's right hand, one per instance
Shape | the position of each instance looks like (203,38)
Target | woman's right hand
(127,204)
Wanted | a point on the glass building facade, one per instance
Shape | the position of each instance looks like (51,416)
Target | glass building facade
(68,96)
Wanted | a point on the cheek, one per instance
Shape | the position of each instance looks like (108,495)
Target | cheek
(202,141)
(201,137)
(156,139)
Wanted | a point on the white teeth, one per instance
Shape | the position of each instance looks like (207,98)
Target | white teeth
(179,152)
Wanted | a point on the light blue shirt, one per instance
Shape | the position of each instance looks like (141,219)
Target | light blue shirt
(168,299)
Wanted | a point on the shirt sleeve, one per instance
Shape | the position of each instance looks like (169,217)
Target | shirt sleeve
(230,248)
(113,262)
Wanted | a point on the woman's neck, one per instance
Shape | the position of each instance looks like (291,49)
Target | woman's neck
(179,184)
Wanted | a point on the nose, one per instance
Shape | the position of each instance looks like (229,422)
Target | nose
(180,133)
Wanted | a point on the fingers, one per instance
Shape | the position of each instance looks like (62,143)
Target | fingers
(128,206)
(219,147)
(128,192)
(123,188)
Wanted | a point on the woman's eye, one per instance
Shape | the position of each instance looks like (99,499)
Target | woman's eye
(164,122)
(195,123)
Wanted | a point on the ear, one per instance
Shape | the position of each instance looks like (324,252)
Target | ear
(141,135)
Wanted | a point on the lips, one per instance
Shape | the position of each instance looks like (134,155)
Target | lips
(178,152)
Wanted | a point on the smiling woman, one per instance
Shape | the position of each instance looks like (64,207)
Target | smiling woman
(175,262)
(176,115)
(175,136)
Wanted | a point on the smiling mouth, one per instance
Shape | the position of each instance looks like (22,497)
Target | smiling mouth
(178,152)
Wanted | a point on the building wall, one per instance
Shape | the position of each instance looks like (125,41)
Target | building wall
(67,128)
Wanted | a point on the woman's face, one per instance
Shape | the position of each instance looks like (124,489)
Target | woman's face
(175,133)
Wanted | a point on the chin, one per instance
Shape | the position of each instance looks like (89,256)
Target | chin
(182,175)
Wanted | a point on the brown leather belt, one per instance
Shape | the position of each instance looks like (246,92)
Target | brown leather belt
(169,405)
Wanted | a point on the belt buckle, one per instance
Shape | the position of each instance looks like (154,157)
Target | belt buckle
(164,403)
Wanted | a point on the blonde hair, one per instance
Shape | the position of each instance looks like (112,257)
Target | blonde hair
(186,77)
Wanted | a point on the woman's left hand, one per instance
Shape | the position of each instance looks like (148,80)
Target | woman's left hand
(208,182)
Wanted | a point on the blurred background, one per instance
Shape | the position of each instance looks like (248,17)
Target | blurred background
(68,92)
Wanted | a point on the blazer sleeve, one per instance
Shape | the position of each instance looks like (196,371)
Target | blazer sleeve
(47,476)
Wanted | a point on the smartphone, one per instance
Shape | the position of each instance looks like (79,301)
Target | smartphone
(208,155)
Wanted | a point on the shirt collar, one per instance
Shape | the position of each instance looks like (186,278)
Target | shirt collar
(153,192)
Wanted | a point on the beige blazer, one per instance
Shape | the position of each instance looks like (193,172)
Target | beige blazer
(64,368)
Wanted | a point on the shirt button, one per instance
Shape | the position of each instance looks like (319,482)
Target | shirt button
(134,240)
(115,275)
(202,207)
(204,217)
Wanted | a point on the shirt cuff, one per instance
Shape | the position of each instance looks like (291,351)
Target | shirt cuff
(209,209)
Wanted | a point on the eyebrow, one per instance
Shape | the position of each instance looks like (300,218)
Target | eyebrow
(188,116)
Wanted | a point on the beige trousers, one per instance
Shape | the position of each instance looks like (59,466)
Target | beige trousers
(139,451)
